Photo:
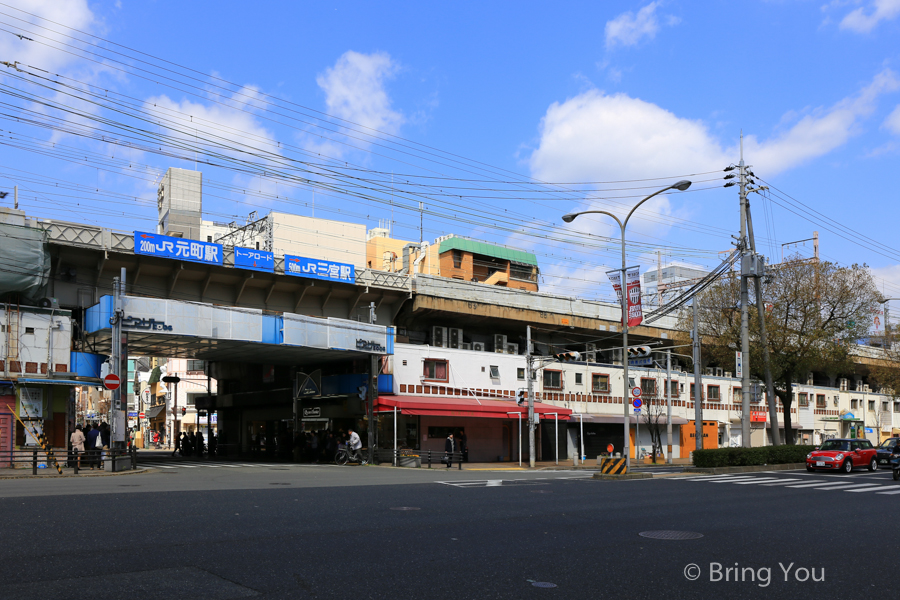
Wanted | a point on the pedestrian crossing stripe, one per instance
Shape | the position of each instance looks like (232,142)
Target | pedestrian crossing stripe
(860,486)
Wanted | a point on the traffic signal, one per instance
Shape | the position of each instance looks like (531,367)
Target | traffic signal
(567,356)
(362,391)
(638,351)
(520,397)
(183,411)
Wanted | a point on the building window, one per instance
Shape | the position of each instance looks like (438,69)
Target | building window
(648,387)
(693,392)
(600,383)
(820,401)
(853,404)
(209,238)
(578,379)
(871,405)
(457,259)
(520,374)
(884,407)
(673,388)
(257,245)
(196,365)
(712,393)
(520,271)
(495,372)
(552,380)
(435,369)
(804,399)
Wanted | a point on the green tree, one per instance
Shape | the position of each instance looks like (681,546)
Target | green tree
(815,312)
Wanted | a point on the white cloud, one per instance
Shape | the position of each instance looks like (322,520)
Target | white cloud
(892,122)
(628,29)
(864,19)
(74,13)
(354,90)
(595,137)
(229,127)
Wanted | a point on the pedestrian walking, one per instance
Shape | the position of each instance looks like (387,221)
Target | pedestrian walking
(199,444)
(77,440)
(463,442)
(93,453)
(449,449)
(176,445)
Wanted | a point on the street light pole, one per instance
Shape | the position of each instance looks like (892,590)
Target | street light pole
(568,218)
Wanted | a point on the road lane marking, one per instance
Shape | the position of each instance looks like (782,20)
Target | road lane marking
(867,488)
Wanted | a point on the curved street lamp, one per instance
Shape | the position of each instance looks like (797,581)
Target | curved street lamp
(568,218)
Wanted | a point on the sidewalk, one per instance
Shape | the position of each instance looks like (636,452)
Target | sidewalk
(50,473)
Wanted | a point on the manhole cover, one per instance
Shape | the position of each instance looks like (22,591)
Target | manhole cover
(671,535)
(405,508)
(543,584)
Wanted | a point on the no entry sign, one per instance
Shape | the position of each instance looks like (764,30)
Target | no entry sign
(112,381)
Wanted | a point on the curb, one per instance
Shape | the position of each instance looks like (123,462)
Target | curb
(640,475)
(137,471)
(745,469)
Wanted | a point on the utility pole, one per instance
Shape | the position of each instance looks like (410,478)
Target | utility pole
(752,265)
(669,407)
(758,268)
(745,309)
(530,387)
(421,222)
(698,382)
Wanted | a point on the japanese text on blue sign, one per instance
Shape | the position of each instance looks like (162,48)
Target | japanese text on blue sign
(318,269)
(258,260)
(165,246)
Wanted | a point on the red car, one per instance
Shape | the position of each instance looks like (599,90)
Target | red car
(844,455)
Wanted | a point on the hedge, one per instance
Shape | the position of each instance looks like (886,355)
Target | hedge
(739,457)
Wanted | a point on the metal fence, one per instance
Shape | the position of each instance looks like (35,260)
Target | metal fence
(418,458)
(116,460)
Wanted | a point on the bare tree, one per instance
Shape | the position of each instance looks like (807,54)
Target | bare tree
(815,312)
(653,415)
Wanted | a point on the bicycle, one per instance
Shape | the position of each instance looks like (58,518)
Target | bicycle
(345,455)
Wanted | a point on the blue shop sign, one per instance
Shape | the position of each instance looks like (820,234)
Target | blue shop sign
(257,260)
(318,269)
(164,246)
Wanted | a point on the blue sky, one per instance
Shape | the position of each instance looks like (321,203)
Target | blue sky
(563,93)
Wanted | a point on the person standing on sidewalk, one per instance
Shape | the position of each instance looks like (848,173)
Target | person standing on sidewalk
(77,439)
(449,449)
(93,453)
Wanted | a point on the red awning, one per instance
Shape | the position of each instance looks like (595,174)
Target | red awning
(466,407)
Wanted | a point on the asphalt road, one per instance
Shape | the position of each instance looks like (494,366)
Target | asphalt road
(286,531)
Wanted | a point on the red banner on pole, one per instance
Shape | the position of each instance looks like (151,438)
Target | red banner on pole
(633,290)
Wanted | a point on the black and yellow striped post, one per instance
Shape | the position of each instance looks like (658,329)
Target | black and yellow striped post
(613,466)
(41,438)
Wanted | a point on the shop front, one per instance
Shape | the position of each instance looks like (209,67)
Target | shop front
(491,429)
